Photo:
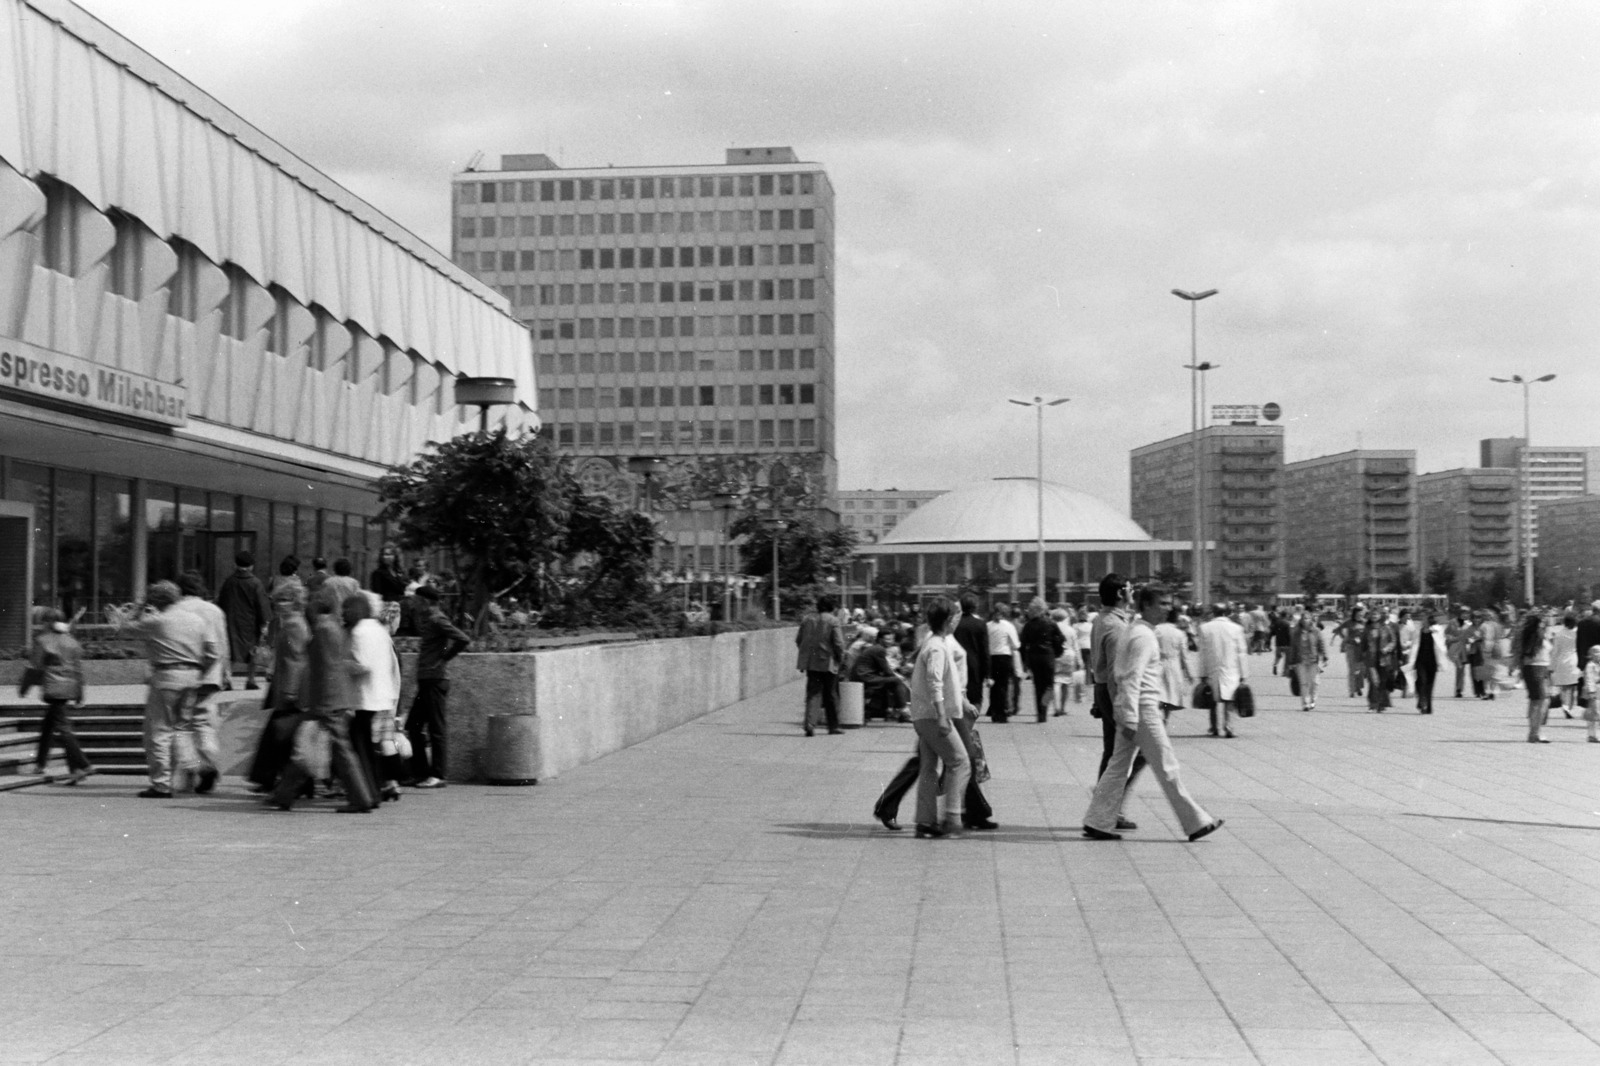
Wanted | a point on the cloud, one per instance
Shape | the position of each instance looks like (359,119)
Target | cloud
(1396,200)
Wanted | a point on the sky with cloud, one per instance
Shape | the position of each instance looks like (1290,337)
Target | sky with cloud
(1397,200)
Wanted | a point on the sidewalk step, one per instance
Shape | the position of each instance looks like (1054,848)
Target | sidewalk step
(36,711)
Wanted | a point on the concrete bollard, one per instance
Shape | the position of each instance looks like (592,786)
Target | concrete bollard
(852,704)
(511,749)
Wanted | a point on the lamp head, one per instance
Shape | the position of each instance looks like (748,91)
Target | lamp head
(1547,377)
(1193,297)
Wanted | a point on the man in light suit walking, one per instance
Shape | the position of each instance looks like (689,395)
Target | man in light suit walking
(821,645)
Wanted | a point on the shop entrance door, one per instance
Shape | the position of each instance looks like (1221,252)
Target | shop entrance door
(216,552)
(209,554)
(16,574)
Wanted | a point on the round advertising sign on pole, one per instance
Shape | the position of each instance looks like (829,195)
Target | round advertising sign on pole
(1271,412)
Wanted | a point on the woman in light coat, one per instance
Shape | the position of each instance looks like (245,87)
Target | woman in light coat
(376,671)
(1565,670)
(1175,679)
(1068,663)
(1224,657)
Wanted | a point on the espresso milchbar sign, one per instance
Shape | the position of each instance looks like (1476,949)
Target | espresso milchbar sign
(68,379)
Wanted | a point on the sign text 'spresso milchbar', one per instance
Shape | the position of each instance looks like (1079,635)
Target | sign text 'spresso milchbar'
(26,368)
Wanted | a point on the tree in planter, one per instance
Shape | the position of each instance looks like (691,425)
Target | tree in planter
(1442,578)
(1404,582)
(513,514)
(807,553)
(1351,586)
(892,588)
(1173,577)
(981,583)
(1314,581)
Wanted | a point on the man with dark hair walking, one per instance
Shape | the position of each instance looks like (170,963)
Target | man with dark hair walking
(1108,627)
(1141,726)
(243,599)
(821,651)
(425,726)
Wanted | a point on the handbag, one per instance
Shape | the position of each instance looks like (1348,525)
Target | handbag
(313,748)
(1204,699)
(980,762)
(1244,701)
(1294,682)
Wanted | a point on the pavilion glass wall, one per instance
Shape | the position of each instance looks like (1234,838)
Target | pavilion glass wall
(84,534)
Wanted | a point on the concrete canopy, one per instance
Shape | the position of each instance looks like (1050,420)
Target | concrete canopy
(1005,510)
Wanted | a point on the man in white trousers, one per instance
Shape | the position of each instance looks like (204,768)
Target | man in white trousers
(1142,727)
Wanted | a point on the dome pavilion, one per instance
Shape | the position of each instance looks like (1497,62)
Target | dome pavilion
(992,527)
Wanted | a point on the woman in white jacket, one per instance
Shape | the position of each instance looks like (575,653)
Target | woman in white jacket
(376,668)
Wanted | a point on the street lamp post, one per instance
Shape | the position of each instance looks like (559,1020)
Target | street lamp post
(1526,478)
(1196,368)
(484,393)
(775,526)
(1039,403)
(647,467)
(725,502)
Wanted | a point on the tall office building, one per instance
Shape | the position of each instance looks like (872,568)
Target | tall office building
(1554,472)
(874,512)
(1242,464)
(1468,518)
(1354,513)
(683,313)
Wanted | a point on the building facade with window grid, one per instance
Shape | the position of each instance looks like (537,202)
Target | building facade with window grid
(1242,517)
(1354,513)
(1553,472)
(684,312)
(206,344)
(1468,518)
(1569,557)
(874,512)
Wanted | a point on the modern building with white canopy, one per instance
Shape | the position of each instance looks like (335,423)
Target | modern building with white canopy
(992,527)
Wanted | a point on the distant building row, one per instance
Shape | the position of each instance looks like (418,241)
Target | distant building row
(1366,516)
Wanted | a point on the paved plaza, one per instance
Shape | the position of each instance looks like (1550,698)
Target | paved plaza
(1393,889)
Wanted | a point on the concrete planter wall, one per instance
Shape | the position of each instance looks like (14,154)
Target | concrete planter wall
(591,701)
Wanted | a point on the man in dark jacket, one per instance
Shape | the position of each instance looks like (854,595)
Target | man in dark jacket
(425,728)
(882,688)
(821,645)
(1588,637)
(973,636)
(243,599)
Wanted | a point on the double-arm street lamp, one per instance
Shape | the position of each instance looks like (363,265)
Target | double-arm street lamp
(1039,403)
(1196,403)
(1527,478)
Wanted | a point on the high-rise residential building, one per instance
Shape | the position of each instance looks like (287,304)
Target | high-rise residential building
(1554,472)
(1241,466)
(681,313)
(1353,513)
(1569,550)
(1468,518)
(874,512)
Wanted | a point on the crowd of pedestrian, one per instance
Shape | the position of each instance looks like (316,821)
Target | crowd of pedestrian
(323,645)
(949,667)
